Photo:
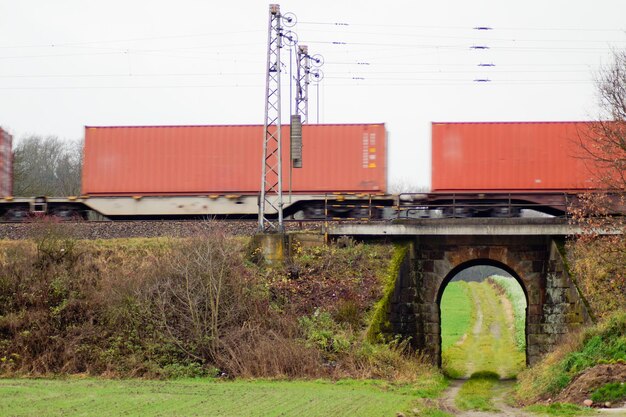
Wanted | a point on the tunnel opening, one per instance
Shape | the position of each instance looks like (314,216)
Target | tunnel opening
(482,320)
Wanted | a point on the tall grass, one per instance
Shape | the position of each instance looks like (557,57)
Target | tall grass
(516,296)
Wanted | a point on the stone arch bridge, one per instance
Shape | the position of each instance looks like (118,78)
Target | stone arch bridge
(529,249)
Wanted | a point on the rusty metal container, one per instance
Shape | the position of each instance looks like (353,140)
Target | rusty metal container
(525,156)
(173,160)
(6,163)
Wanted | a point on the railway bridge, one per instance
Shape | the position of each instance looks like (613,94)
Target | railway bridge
(531,250)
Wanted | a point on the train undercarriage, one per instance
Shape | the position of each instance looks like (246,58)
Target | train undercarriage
(336,206)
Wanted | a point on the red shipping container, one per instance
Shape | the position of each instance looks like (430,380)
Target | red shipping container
(6,164)
(171,160)
(510,156)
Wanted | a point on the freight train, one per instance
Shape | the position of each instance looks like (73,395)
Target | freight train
(167,172)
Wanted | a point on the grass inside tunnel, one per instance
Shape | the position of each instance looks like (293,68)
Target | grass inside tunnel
(488,343)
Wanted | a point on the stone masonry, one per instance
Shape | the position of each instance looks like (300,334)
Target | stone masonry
(554,305)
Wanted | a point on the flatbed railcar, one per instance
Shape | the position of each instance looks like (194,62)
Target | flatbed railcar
(330,206)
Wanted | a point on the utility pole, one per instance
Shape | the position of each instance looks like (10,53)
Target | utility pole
(304,73)
(271,198)
(302,83)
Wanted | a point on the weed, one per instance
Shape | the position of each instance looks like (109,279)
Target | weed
(477,392)
(324,333)
(612,392)
(558,409)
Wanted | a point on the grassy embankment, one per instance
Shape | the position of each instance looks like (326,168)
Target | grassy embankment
(516,296)
(147,308)
(604,343)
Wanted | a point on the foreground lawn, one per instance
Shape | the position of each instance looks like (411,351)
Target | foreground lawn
(94,397)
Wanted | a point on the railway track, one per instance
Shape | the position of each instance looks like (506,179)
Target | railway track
(146,228)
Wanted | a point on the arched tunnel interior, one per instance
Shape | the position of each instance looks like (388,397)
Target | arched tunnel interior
(483,314)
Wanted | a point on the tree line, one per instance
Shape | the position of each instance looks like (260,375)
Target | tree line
(47,166)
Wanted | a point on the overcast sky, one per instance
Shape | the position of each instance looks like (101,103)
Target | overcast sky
(65,64)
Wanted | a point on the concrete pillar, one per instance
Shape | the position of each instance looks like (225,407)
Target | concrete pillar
(273,247)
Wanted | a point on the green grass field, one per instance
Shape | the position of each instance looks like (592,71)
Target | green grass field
(95,397)
(456,307)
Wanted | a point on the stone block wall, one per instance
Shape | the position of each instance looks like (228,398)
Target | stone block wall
(554,305)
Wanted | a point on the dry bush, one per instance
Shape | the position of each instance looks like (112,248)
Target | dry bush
(597,257)
(599,264)
(200,291)
(395,361)
(65,309)
(257,352)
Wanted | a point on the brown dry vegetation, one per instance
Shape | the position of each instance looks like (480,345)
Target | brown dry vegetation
(189,307)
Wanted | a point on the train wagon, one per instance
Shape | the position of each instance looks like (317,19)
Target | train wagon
(510,156)
(219,160)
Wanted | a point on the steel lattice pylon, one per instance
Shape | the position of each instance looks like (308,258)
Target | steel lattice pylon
(271,199)
(302,83)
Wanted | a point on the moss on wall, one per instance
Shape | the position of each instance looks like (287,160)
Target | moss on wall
(379,329)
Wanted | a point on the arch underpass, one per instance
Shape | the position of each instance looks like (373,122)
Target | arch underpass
(554,306)
(480,304)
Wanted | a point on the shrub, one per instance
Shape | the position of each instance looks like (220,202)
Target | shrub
(324,333)
(614,391)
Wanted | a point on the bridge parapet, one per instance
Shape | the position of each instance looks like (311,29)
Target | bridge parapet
(457,227)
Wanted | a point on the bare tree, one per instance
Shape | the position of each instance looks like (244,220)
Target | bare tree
(605,142)
(597,259)
(47,166)
(200,293)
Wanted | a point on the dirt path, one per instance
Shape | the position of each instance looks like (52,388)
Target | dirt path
(490,345)
(501,391)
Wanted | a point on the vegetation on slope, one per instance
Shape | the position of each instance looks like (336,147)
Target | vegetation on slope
(599,344)
(194,307)
(599,267)
(516,296)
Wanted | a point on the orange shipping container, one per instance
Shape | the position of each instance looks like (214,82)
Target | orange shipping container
(509,156)
(170,160)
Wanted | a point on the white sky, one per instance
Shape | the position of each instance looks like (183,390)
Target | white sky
(65,64)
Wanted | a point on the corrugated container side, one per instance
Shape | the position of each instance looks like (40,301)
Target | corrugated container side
(6,163)
(510,156)
(227,159)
